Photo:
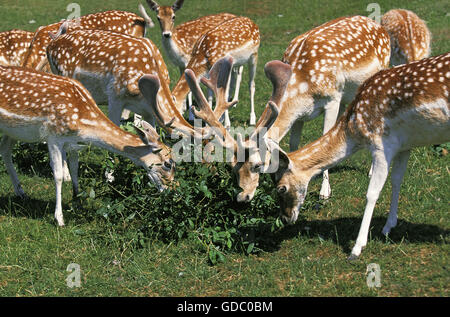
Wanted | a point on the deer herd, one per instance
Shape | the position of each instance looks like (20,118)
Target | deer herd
(51,82)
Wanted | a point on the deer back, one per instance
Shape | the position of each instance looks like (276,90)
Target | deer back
(345,49)
(14,46)
(105,54)
(116,21)
(410,37)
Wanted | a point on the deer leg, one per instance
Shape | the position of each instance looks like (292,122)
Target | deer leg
(399,165)
(125,115)
(252,73)
(72,159)
(66,170)
(55,150)
(331,115)
(6,146)
(381,162)
(235,82)
(296,132)
(115,109)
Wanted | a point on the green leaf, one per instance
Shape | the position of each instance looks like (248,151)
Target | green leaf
(250,247)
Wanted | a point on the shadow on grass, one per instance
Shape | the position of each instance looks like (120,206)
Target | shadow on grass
(344,231)
(25,207)
(13,206)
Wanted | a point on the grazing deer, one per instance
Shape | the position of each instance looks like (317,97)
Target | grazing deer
(13,47)
(39,107)
(115,21)
(154,91)
(109,65)
(179,41)
(394,111)
(238,37)
(328,64)
(410,37)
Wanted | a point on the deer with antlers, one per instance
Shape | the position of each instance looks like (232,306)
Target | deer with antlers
(394,111)
(327,63)
(410,37)
(39,107)
(178,42)
(109,65)
(13,47)
(115,21)
(155,90)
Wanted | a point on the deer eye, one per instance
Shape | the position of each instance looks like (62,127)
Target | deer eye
(257,167)
(282,189)
(168,164)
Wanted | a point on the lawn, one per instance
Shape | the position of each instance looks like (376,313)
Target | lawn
(195,240)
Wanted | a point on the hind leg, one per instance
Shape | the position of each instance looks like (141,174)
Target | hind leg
(6,146)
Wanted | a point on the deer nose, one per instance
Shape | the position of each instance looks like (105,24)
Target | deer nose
(243,198)
(167,34)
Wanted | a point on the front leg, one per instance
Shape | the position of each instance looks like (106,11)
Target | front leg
(115,109)
(331,115)
(56,163)
(381,162)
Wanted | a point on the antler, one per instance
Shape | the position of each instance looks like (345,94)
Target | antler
(279,74)
(218,82)
(219,76)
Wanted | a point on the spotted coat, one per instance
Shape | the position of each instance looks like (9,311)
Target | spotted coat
(116,21)
(14,46)
(410,37)
(238,37)
(102,60)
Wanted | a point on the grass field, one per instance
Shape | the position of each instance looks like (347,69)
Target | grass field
(131,241)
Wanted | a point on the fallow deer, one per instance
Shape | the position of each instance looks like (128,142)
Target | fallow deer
(410,37)
(109,65)
(239,38)
(328,64)
(179,41)
(13,47)
(115,21)
(167,114)
(394,111)
(40,107)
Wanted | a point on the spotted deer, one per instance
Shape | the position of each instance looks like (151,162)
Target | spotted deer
(239,38)
(13,46)
(109,65)
(328,64)
(179,41)
(40,107)
(410,37)
(394,111)
(167,114)
(115,21)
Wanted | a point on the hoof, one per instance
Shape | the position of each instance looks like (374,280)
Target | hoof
(352,257)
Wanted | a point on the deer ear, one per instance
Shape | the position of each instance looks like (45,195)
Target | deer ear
(142,135)
(147,133)
(177,5)
(281,157)
(153,5)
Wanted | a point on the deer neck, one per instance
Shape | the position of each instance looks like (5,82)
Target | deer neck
(325,152)
(174,50)
(116,140)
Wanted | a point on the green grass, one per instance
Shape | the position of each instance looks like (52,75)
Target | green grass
(141,247)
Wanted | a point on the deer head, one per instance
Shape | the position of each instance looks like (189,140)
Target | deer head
(166,15)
